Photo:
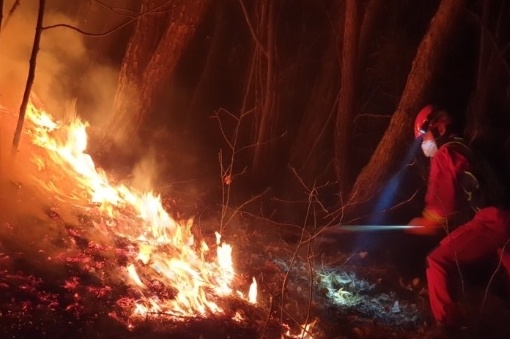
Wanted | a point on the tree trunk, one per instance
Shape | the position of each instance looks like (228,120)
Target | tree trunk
(11,12)
(490,66)
(347,101)
(374,13)
(267,127)
(309,153)
(487,114)
(30,79)
(156,46)
(169,51)
(430,54)
(210,81)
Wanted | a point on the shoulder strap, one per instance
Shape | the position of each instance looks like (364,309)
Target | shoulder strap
(460,146)
(486,186)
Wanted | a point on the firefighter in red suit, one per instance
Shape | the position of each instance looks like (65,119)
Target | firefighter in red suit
(455,177)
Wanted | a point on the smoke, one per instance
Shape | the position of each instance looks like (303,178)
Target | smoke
(145,172)
(76,74)
(67,67)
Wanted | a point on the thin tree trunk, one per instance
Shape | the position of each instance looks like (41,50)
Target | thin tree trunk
(347,101)
(429,57)
(30,79)
(1,14)
(207,86)
(11,12)
(268,115)
(307,152)
(376,10)
(488,71)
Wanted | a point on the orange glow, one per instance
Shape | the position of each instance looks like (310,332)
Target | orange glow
(166,251)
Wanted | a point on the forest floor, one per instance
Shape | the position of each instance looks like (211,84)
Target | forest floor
(52,278)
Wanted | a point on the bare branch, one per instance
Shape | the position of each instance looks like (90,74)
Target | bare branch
(117,10)
(88,33)
(114,29)
(493,275)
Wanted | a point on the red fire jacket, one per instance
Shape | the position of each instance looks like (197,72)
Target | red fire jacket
(445,197)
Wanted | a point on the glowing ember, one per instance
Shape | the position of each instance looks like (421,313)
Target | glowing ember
(166,253)
(306,331)
(237,317)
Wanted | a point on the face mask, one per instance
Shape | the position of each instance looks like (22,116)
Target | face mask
(429,148)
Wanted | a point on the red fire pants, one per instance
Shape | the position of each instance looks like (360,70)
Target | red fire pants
(488,233)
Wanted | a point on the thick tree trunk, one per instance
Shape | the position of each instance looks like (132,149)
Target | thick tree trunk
(151,57)
(347,102)
(430,54)
(181,30)
(141,45)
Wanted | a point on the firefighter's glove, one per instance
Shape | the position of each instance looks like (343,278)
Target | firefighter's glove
(425,226)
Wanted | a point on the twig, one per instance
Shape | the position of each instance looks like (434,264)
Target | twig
(264,327)
(310,212)
(116,10)
(493,275)
(114,29)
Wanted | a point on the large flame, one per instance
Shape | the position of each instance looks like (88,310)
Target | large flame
(166,248)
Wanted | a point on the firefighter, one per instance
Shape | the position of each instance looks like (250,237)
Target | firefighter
(457,176)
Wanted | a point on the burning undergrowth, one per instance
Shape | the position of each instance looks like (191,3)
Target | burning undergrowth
(121,243)
(63,283)
(95,258)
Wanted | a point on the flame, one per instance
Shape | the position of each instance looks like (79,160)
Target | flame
(166,249)
(252,294)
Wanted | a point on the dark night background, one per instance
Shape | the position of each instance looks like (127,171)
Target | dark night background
(286,178)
